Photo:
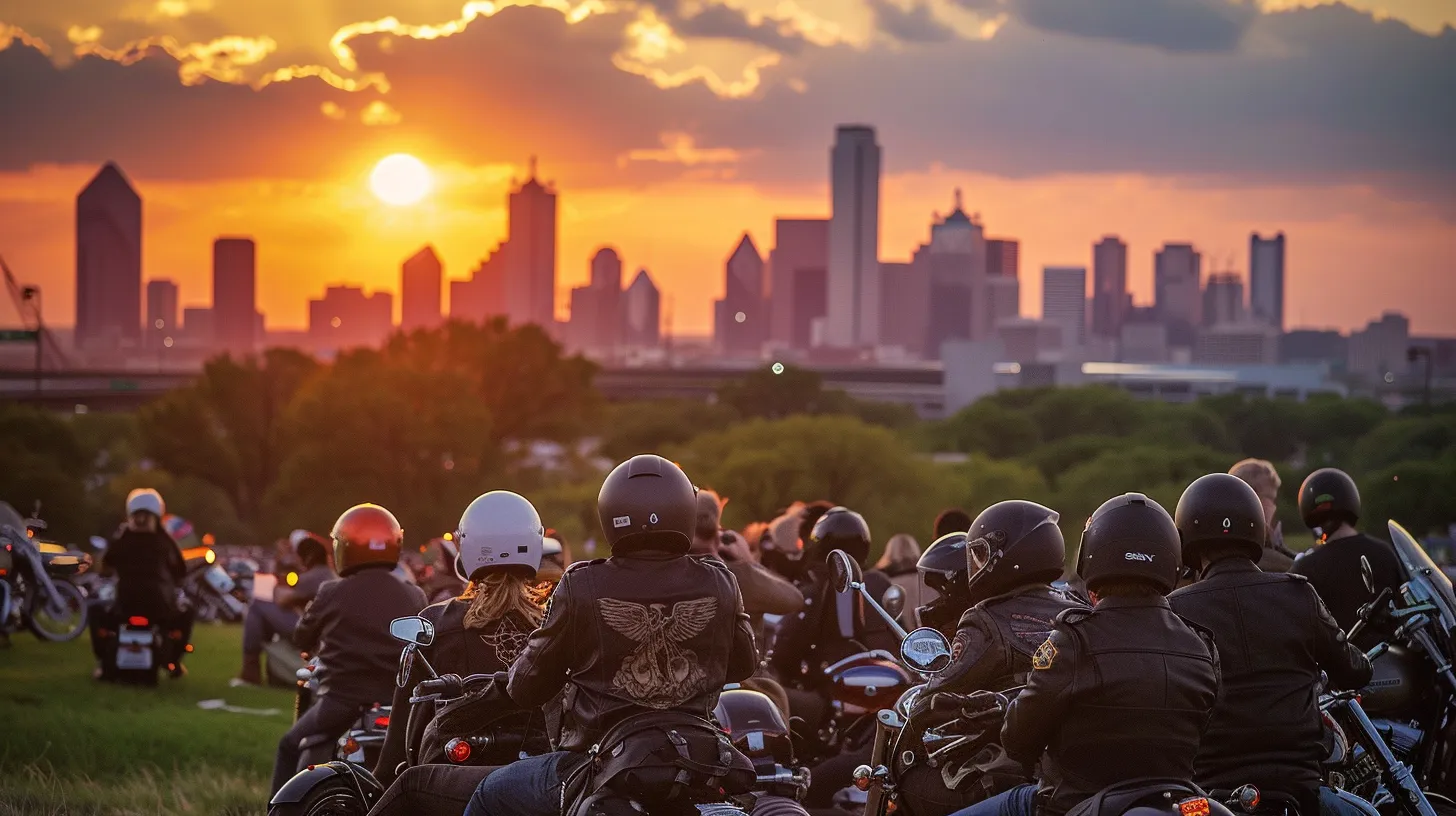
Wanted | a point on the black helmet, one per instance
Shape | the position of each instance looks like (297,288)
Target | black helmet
(942,568)
(647,502)
(1219,509)
(1328,498)
(1011,544)
(1130,537)
(839,529)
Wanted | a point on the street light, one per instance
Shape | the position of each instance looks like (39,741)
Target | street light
(1415,353)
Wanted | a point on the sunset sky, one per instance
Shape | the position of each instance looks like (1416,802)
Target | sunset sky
(672,126)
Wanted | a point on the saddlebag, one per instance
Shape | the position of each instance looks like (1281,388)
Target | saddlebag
(665,760)
(484,709)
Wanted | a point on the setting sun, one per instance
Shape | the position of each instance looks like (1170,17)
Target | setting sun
(400,180)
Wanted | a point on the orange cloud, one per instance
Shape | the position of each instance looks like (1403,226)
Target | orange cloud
(10,33)
(379,112)
(681,148)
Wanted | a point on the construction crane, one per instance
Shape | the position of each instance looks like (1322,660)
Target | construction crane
(27,302)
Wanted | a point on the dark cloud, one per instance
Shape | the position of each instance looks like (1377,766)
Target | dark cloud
(1174,25)
(1321,95)
(913,25)
(730,23)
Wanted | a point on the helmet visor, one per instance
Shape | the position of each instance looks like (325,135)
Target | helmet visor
(980,550)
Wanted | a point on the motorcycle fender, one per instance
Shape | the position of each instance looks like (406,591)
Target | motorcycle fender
(295,789)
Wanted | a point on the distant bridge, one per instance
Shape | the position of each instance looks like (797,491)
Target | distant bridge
(919,387)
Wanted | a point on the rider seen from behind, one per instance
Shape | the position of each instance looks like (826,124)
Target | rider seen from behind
(648,631)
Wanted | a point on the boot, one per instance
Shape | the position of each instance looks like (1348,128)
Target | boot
(252,672)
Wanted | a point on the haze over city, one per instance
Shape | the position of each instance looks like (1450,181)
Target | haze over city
(670,130)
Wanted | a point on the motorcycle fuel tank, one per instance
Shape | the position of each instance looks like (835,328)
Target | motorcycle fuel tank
(864,683)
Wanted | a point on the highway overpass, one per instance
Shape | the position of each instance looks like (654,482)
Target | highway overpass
(919,387)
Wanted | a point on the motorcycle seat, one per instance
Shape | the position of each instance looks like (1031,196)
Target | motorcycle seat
(65,563)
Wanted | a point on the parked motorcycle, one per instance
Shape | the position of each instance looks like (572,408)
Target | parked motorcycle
(35,590)
(211,591)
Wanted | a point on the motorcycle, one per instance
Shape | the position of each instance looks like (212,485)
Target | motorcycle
(132,653)
(35,590)
(757,729)
(210,590)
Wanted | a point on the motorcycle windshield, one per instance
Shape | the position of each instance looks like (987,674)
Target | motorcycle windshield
(1423,572)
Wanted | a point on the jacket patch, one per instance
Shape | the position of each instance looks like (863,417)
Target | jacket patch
(659,673)
(508,641)
(1045,654)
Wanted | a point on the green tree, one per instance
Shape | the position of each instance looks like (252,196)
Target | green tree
(228,428)
(519,374)
(1055,458)
(1403,439)
(1417,494)
(1330,425)
(1088,411)
(1157,472)
(646,426)
(987,427)
(985,481)
(1181,425)
(43,461)
(369,430)
(1263,428)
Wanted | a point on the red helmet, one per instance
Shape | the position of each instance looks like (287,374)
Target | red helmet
(366,535)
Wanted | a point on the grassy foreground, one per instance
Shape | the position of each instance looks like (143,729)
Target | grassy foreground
(70,746)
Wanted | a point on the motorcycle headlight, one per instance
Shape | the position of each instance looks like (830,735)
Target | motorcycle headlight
(907,701)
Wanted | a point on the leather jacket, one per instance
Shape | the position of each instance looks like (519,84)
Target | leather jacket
(455,650)
(640,631)
(347,627)
(149,569)
(1333,569)
(1117,692)
(830,628)
(996,638)
(1274,637)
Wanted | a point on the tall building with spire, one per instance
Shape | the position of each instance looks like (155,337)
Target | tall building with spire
(740,322)
(641,312)
(530,284)
(854,239)
(108,261)
(954,263)
(596,309)
(420,287)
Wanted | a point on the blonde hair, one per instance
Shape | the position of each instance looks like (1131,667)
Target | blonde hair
(1259,474)
(901,554)
(499,594)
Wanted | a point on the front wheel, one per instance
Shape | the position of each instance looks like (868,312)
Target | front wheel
(335,798)
(59,628)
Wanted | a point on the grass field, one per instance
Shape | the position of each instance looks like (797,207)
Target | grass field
(70,746)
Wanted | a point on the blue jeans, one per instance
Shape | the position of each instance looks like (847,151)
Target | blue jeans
(526,787)
(1330,804)
(1019,801)
(264,620)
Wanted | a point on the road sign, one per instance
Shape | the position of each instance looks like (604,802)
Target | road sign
(18,336)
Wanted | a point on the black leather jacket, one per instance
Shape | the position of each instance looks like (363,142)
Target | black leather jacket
(347,627)
(1274,637)
(1118,692)
(1333,569)
(455,650)
(148,568)
(830,628)
(635,632)
(995,640)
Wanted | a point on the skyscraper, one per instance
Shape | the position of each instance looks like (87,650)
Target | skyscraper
(1110,299)
(108,261)
(596,311)
(798,267)
(1266,279)
(904,306)
(739,326)
(161,312)
(854,239)
(345,317)
(641,312)
(234,294)
(1064,301)
(1223,299)
(1177,275)
(1002,301)
(483,296)
(530,282)
(955,266)
(1003,257)
(421,280)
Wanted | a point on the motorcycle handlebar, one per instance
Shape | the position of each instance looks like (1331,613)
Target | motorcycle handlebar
(1368,611)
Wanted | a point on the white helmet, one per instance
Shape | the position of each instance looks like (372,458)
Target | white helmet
(145,498)
(499,529)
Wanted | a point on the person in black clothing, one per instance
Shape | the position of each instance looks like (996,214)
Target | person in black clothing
(1329,502)
(1014,553)
(500,543)
(648,629)
(951,520)
(347,627)
(149,570)
(1266,728)
(1120,691)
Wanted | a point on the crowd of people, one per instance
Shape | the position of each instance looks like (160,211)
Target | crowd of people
(1188,645)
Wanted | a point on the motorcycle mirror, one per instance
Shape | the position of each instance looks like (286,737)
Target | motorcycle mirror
(925,650)
(1367,575)
(893,601)
(98,542)
(843,569)
(412,630)
(406,662)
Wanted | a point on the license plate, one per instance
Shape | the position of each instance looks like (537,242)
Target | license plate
(133,656)
(219,579)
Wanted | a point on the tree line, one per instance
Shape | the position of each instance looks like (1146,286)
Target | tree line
(262,445)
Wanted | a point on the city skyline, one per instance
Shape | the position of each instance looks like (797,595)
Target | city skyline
(730,110)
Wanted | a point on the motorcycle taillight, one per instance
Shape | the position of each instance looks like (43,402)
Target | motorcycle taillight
(458,750)
(381,721)
(138,620)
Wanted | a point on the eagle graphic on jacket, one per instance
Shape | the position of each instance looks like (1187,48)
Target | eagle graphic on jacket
(659,673)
